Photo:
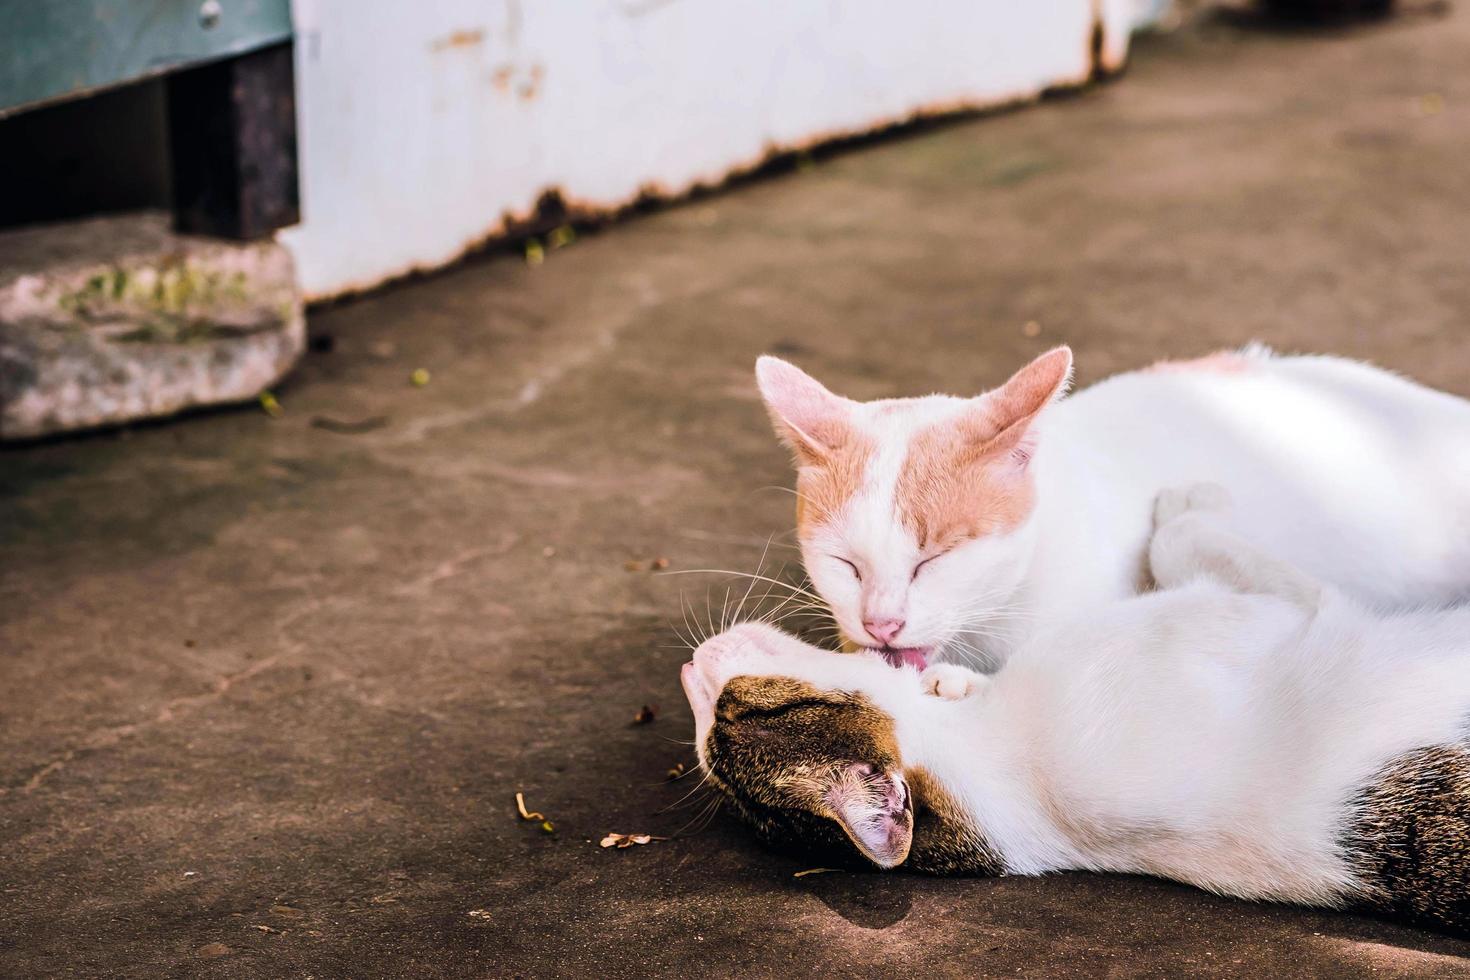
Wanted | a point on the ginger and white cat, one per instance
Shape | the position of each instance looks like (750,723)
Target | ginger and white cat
(1246,730)
(949,527)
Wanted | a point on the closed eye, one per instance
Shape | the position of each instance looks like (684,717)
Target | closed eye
(754,712)
(920,565)
(856,574)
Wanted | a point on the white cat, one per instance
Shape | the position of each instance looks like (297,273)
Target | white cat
(950,527)
(1248,731)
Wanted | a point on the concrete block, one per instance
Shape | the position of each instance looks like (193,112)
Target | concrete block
(115,319)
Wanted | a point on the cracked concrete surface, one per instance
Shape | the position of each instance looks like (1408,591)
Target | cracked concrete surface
(268,690)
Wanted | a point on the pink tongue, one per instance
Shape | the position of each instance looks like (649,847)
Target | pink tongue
(906,657)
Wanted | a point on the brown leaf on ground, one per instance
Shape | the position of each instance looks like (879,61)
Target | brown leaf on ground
(621,841)
(527,814)
(812,871)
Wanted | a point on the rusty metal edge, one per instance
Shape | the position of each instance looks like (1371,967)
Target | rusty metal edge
(553,207)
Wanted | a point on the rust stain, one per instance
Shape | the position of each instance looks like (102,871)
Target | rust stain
(1101,63)
(459,39)
(523,82)
(529,88)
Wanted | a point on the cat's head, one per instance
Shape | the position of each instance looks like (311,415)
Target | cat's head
(913,513)
(803,743)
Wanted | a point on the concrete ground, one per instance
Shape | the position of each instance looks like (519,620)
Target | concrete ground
(269,688)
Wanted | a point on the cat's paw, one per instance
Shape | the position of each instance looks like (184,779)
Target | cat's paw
(951,682)
(1175,502)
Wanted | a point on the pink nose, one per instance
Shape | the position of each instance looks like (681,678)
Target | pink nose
(883,630)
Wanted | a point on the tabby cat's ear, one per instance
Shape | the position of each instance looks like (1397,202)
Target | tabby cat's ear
(807,417)
(1010,410)
(876,811)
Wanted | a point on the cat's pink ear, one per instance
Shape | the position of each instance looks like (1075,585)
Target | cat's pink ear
(1010,409)
(876,811)
(808,418)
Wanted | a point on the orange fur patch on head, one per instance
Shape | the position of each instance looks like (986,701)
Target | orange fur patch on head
(817,426)
(825,486)
(967,477)
(1220,362)
(952,489)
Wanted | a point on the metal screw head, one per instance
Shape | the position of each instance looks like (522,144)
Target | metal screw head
(209,13)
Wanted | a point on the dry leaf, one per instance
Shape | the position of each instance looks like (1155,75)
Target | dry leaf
(482,914)
(812,871)
(527,814)
(621,841)
(646,714)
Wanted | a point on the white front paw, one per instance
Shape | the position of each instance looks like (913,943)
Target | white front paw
(1175,502)
(949,681)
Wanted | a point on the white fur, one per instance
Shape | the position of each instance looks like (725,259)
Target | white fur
(1213,733)
(1357,475)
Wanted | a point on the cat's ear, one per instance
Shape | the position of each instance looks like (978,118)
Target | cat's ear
(808,418)
(1012,408)
(876,811)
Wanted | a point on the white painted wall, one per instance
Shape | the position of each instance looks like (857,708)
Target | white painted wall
(422,125)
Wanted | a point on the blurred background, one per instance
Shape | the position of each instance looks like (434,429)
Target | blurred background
(363,365)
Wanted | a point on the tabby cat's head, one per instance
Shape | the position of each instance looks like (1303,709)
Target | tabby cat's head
(796,740)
